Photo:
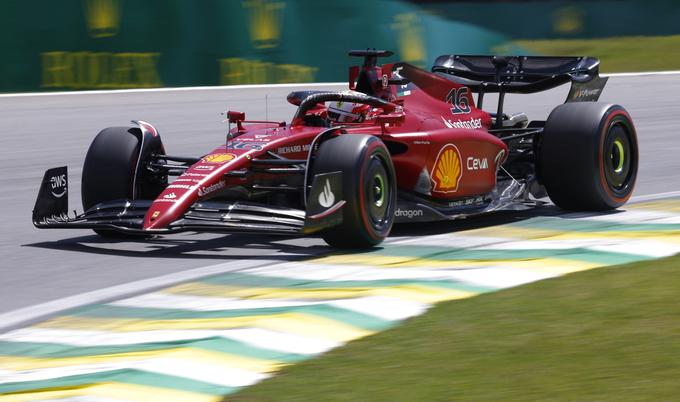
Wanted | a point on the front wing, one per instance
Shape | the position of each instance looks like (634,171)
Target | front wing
(127,216)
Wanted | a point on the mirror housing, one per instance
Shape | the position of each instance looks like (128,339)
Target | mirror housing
(235,117)
(394,119)
(391,118)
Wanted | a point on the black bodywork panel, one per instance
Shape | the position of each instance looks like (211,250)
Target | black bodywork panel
(516,74)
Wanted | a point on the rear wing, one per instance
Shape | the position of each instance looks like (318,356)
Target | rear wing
(523,75)
(517,74)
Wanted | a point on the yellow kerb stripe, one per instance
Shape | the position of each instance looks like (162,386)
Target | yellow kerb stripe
(420,293)
(547,265)
(297,323)
(671,236)
(18,363)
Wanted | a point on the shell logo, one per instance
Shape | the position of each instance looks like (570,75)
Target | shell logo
(447,170)
(219,158)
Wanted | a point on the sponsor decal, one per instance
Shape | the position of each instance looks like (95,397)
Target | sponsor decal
(261,138)
(204,167)
(587,93)
(466,202)
(245,145)
(385,81)
(101,70)
(293,149)
(236,70)
(471,123)
(183,180)
(203,191)
(170,196)
(408,213)
(58,184)
(103,17)
(217,158)
(186,186)
(458,98)
(155,214)
(191,174)
(447,170)
(265,22)
(54,219)
(420,142)
(162,200)
(473,163)
(326,197)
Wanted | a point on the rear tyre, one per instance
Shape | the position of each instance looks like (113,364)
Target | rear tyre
(588,158)
(368,185)
(109,170)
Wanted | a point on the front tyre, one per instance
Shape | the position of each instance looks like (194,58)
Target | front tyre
(588,157)
(369,189)
(110,168)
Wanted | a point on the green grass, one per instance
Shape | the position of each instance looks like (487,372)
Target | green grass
(608,334)
(621,54)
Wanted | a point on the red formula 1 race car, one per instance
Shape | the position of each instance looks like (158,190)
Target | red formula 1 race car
(402,144)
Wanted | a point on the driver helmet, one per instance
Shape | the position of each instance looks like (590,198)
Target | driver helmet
(347,112)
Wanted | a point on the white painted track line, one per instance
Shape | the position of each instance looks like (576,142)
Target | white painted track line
(16,317)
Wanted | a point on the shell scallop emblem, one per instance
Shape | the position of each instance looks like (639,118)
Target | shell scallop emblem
(447,170)
(219,158)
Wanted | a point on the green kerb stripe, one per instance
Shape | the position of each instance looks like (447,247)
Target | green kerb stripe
(215,344)
(129,376)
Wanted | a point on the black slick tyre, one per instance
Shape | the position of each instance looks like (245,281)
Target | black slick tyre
(109,169)
(369,189)
(588,157)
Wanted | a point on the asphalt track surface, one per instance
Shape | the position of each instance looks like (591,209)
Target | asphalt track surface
(40,132)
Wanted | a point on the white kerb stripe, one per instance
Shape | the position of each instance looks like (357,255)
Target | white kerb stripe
(258,337)
(386,308)
(162,300)
(206,372)
(643,247)
(83,398)
(628,216)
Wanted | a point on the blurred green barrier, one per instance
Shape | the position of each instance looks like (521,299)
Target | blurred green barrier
(113,44)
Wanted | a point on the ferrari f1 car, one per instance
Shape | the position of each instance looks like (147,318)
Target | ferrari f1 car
(401,145)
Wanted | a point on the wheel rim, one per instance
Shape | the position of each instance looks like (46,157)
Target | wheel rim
(378,193)
(618,157)
(378,190)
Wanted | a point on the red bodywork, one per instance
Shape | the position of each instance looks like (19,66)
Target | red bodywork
(442,148)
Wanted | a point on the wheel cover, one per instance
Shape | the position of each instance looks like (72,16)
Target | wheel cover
(378,193)
(378,190)
(619,157)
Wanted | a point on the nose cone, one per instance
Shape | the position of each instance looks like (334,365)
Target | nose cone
(168,207)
